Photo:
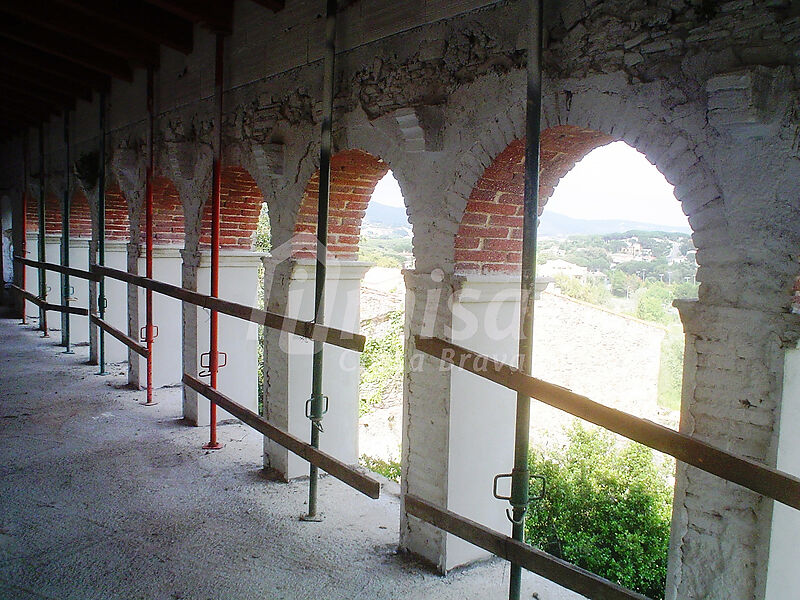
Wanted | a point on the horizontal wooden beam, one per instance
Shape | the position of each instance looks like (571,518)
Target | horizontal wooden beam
(217,15)
(532,559)
(64,47)
(37,88)
(273,5)
(122,337)
(343,472)
(71,271)
(23,74)
(31,96)
(14,53)
(144,20)
(44,305)
(306,329)
(103,36)
(754,476)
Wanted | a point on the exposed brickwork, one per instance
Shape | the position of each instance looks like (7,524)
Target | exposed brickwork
(168,220)
(240,206)
(117,219)
(80,218)
(489,239)
(354,174)
(52,215)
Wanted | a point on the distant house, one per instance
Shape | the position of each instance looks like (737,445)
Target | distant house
(556,267)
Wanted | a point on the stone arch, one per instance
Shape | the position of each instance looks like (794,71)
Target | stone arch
(644,125)
(240,207)
(489,238)
(168,218)
(354,175)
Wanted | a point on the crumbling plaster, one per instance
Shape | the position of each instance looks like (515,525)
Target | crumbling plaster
(707,91)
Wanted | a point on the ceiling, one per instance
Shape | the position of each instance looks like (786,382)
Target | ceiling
(53,52)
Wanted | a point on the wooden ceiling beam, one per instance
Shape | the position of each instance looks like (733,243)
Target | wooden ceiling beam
(13,52)
(10,110)
(149,22)
(61,19)
(273,5)
(64,47)
(23,74)
(37,90)
(32,98)
(217,15)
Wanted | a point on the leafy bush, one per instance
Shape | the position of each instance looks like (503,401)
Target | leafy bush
(381,360)
(607,509)
(670,374)
(388,468)
(592,292)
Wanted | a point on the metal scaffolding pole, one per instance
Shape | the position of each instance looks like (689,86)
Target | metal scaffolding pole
(66,292)
(101,241)
(148,229)
(24,249)
(213,359)
(317,401)
(520,476)
(42,246)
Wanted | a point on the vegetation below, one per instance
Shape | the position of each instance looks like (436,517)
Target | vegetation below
(382,359)
(388,468)
(607,508)
(389,252)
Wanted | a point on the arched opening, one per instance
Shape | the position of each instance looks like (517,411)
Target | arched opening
(369,243)
(80,235)
(604,327)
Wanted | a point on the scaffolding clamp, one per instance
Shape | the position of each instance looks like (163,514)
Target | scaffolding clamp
(143,335)
(316,421)
(510,498)
(205,365)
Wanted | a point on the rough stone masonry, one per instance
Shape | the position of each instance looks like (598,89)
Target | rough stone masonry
(434,90)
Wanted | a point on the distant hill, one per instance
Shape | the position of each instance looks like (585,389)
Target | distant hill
(556,225)
(390,216)
(551,225)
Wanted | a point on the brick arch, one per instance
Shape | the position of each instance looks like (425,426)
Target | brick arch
(168,219)
(80,216)
(52,209)
(240,207)
(489,238)
(354,175)
(118,226)
(31,214)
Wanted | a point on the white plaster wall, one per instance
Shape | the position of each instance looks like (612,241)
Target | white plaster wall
(79,259)
(167,369)
(340,367)
(32,275)
(486,320)
(117,297)
(238,282)
(783,576)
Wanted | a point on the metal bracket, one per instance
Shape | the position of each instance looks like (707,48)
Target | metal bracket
(70,296)
(143,334)
(316,421)
(509,513)
(102,301)
(206,365)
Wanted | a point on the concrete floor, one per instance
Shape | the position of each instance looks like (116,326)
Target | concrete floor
(105,498)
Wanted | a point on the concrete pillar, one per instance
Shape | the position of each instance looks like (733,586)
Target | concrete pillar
(732,391)
(79,259)
(117,299)
(238,282)
(52,253)
(288,363)
(167,368)
(783,577)
(477,428)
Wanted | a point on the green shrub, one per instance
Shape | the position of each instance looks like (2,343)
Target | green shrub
(670,373)
(381,360)
(388,468)
(607,509)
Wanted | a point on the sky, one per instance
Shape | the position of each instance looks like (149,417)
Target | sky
(611,182)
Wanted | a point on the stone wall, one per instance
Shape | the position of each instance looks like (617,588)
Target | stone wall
(707,91)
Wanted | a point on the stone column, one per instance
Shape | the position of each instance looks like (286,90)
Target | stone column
(190,362)
(167,366)
(732,391)
(288,363)
(238,339)
(132,326)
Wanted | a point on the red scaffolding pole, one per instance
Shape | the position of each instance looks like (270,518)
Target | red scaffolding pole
(24,241)
(148,229)
(213,359)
